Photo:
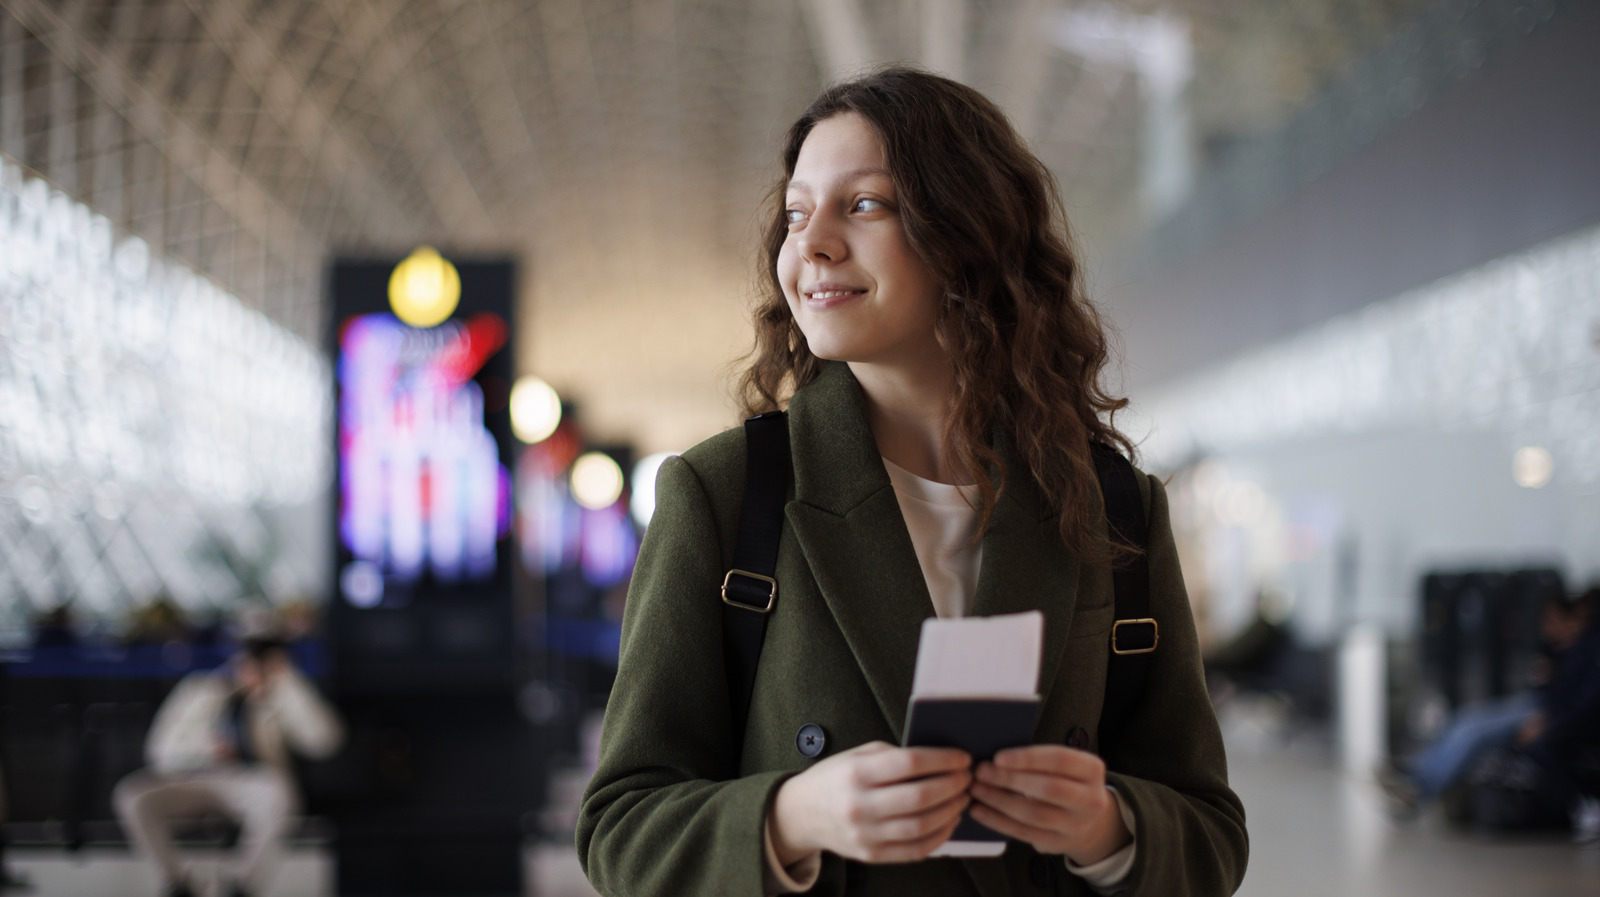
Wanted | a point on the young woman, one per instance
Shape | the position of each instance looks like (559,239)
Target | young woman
(926,311)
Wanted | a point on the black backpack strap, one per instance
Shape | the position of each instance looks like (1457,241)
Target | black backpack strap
(749,590)
(1135,633)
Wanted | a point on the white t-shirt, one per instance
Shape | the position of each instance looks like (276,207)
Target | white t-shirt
(942,519)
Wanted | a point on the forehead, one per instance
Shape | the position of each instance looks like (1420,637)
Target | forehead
(839,149)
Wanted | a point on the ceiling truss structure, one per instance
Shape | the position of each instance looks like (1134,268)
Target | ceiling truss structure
(620,148)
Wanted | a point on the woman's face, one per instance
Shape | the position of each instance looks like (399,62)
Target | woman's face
(855,286)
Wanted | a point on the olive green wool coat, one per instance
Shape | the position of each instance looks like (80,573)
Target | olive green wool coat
(672,812)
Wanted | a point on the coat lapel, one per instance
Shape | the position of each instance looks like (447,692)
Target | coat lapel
(850,529)
(1025,568)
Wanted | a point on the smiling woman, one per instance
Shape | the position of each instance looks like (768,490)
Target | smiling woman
(925,325)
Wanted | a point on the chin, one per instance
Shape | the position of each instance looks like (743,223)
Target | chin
(831,351)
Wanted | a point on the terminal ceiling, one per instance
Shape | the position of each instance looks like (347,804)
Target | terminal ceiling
(619,149)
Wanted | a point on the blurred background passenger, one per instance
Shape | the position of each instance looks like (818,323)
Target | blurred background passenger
(159,622)
(56,628)
(1563,735)
(1551,723)
(220,746)
(1252,658)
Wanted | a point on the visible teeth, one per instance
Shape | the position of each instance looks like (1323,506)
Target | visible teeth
(829,294)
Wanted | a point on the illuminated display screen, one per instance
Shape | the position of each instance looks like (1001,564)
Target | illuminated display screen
(425,565)
(423,488)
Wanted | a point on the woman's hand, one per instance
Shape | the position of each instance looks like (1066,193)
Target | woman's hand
(1053,797)
(876,803)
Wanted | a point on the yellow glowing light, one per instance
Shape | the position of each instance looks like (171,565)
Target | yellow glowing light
(596,481)
(535,410)
(1532,467)
(424,289)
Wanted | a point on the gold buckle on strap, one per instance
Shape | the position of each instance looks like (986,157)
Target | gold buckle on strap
(1155,635)
(772,591)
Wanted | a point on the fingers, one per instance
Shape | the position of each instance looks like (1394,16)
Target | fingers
(915,849)
(889,804)
(1053,789)
(1055,759)
(916,796)
(1041,792)
(1015,828)
(913,837)
(921,824)
(1051,773)
(889,764)
(1073,827)
(1053,814)
(1052,797)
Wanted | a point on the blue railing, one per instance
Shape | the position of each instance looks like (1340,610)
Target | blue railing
(168,661)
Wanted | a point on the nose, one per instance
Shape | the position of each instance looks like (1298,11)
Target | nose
(822,239)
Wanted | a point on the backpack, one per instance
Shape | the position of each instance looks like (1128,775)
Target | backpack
(750,591)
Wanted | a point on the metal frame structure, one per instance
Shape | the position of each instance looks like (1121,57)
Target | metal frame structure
(618,146)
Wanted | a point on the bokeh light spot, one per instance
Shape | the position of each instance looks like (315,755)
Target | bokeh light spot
(424,289)
(596,481)
(1532,467)
(535,410)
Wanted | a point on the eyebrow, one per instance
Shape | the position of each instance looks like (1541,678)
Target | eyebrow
(852,175)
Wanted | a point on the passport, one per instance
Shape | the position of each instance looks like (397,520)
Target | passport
(981,727)
(976,688)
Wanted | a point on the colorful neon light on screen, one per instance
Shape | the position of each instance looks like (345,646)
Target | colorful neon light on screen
(423,487)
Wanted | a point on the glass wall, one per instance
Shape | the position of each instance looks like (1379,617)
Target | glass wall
(160,442)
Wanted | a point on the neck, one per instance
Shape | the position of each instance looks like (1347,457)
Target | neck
(907,408)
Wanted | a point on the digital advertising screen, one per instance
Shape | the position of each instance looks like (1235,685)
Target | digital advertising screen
(423,370)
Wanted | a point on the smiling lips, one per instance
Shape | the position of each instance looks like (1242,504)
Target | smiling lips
(829,294)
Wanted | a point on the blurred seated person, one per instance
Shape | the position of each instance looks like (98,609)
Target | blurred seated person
(159,622)
(1563,735)
(220,745)
(55,628)
(1553,709)
(1251,658)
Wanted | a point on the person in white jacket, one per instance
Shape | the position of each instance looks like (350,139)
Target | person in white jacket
(220,744)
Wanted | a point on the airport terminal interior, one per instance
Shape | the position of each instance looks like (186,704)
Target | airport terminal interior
(341,342)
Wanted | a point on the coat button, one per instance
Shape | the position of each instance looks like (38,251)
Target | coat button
(1078,738)
(1042,870)
(811,740)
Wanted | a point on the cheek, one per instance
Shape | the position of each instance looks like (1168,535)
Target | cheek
(788,270)
(919,284)
(789,278)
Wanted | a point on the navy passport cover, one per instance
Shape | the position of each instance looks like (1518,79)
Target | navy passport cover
(979,726)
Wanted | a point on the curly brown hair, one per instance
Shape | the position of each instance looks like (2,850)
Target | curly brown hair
(1028,347)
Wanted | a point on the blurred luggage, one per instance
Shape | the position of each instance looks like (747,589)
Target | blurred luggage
(1507,791)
